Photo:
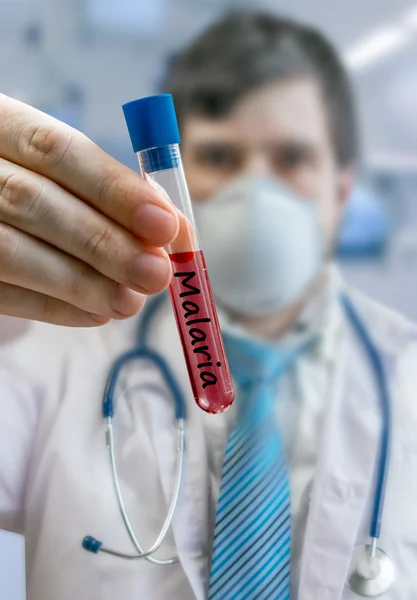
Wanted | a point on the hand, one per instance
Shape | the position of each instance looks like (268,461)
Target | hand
(81,235)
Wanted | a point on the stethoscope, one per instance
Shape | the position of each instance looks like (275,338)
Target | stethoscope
(372,571)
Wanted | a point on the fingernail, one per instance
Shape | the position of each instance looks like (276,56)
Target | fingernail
(155,224)
(126,302)
(150,272)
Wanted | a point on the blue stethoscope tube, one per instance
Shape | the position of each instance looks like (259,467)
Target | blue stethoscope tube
(168,376)
(372,571)
(384,399)
(144,352)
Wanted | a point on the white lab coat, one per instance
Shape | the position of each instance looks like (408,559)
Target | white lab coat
(55,480)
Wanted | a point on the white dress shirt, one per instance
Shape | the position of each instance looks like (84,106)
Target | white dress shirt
(300,407)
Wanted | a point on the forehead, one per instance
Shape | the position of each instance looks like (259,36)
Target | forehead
(291,109)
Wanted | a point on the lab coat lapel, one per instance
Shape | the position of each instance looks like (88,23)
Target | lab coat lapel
(344,476)
(189,523)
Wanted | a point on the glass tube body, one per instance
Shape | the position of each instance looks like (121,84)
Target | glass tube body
(190,289)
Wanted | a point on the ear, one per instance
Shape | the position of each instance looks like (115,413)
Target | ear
(346,181)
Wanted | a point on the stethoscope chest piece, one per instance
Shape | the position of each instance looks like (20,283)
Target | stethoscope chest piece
(371,576)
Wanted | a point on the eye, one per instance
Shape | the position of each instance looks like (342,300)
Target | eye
(291,158)
(219,156)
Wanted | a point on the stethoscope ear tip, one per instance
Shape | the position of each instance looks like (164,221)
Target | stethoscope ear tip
(90,544)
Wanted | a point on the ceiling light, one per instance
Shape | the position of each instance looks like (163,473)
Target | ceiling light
(375,46)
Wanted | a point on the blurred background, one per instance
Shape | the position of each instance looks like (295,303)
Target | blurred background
(80,60)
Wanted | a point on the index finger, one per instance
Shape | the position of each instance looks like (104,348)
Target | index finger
(43,144)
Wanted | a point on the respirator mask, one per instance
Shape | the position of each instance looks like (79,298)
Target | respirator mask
(262,243)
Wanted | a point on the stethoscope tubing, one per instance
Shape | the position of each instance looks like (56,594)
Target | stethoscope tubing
(384,398)
(144,352)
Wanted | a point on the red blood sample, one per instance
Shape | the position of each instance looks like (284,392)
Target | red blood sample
(200,334)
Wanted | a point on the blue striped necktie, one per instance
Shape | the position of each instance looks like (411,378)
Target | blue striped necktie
(251,553)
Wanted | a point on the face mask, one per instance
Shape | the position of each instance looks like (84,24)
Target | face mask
(262,244)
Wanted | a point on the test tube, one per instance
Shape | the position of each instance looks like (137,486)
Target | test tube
(153,129)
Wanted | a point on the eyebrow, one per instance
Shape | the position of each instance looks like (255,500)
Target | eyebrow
(271,145)
(209,144)
(205,147)
(303,145)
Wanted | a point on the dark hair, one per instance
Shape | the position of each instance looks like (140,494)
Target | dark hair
(245,50)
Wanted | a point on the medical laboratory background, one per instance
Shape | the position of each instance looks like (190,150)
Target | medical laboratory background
(79,60)
(250,435)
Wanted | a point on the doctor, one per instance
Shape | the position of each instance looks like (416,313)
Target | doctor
(269,131)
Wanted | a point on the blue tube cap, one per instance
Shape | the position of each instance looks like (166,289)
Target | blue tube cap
(152,122)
